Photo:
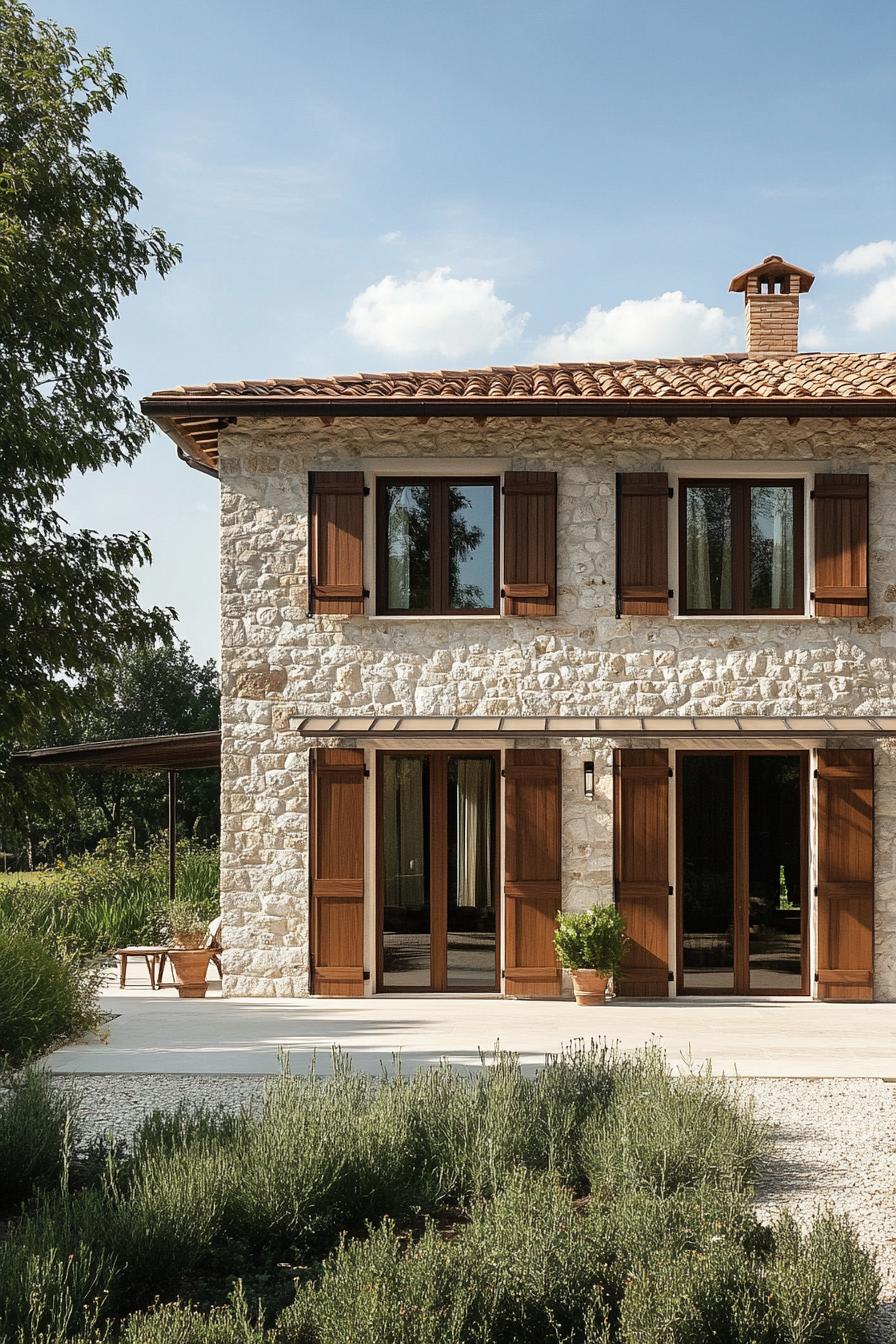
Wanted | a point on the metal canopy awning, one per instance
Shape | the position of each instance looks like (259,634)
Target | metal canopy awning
(172,752)
(169,751)
(577,726)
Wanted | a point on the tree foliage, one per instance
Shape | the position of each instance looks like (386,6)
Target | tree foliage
(70,251)
(156,689)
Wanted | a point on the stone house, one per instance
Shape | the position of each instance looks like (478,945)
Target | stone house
(503,641)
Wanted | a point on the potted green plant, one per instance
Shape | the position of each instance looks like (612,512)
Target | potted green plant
(191,949)
(590,944)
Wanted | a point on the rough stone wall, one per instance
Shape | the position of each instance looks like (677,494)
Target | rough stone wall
(277,663)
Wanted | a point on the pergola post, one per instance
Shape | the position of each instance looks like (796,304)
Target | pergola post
(172,834)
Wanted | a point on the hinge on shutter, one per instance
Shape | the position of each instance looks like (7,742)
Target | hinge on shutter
(815,774)
(367,772)
(671,977)
(812,597)
(366,975)
(671,772)
(671,592)
(367,490)
(671,891)
(365,592)
(812,496)
(671,492)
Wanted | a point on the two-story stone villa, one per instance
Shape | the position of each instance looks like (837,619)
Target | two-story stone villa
(503,641)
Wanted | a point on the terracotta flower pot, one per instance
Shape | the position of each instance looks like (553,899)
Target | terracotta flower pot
(190,967)
(590,987)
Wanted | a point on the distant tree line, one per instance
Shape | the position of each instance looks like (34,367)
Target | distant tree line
(46,814)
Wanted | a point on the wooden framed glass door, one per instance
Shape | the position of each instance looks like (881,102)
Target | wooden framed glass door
(742,859)
(437,884)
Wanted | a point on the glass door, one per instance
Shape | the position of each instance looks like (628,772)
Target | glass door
(742,872)
(438,881)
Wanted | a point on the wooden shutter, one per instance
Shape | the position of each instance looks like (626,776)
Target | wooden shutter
(336,539)
(841,545)
(845,874)
(530,543)
(337,872)
(642,556)
(532,862)
(641,868)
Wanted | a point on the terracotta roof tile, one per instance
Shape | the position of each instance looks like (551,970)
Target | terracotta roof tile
(676,383)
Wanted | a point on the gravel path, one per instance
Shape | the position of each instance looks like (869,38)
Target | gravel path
(835,1144)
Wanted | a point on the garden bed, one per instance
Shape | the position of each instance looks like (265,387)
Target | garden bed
(603,1200)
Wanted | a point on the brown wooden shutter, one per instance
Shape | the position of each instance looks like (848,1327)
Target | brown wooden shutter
(532,865)
(530,543)
(336,543)
(641,868)
(841,545)
(337,872)
(845,874)
(642,556)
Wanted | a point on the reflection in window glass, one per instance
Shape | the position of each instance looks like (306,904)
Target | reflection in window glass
(407,542)
(471,552)
(775,869)
(708,547)
(771,547)
(406,913)
(471,869)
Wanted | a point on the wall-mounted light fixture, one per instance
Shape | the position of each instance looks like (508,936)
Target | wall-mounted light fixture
(589,780)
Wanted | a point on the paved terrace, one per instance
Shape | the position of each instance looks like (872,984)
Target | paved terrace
(757,1038)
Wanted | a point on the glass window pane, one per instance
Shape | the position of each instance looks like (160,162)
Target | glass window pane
(471,872)
(471,546)
(708,526)
(772,547)
(406,926)
(407,547)
(707,798)
(775,873)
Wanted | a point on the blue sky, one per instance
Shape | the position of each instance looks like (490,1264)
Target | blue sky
(361,185)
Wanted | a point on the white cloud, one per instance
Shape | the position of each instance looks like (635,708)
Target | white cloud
(864,259)
(814,338)
(434,313)
(667,325)
(878,307)
(393,236)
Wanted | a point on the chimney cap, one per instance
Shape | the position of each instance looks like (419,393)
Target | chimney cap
(772,268)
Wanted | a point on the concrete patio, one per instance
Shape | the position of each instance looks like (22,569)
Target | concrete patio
(760,1038)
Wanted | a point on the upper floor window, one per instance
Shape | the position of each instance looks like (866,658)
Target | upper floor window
(741,547)
(437,546)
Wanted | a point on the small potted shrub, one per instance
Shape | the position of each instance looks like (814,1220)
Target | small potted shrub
(189,953)
(590,944)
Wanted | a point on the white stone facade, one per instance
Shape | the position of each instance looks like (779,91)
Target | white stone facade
(279,664)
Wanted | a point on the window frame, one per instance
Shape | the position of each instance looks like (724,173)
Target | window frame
(438,545)
(741,580)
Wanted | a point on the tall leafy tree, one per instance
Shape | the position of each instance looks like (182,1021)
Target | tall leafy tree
(70,250)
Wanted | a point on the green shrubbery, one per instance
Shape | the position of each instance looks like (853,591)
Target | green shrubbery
(35,1136)
(44,998)
(53,931)
(601,1202)
(93,903)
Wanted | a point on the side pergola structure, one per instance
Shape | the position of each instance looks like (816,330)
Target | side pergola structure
(172,753)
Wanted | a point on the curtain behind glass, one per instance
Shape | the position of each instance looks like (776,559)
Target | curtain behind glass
(404,831)
(782,549)
(473,800)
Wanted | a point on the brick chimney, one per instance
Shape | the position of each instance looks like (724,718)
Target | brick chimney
(771,293)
